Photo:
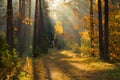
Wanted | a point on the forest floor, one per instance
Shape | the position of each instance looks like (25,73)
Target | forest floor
(65,65)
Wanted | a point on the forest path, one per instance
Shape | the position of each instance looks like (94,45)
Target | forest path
(65,65)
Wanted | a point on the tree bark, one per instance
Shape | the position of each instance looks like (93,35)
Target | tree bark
(106,31)
(39,40)
(42,29)
(10,30)
(36,29)
(21,29)
(92,29)
(101,42)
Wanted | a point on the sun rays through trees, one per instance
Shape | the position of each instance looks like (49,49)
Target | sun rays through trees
(41,39)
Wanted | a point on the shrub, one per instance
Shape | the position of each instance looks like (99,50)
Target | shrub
(75,48)
(8,58)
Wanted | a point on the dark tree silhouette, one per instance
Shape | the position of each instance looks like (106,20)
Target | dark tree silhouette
(10,29)
(91,28)
(106,31)
(39,38)
(21,30)
(36,28)
(101,43)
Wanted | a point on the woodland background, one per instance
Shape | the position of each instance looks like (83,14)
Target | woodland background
(31,28)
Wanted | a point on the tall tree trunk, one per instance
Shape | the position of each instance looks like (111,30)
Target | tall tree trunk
(101,43)
(36,30)
(43,39)
(30,8)
(29,28)
(42,29)
(39,40)
(92,28)
(21,30)
(10,30)
(19,27)
(106,31)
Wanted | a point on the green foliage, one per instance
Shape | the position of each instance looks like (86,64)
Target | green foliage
(75,48)
(59,41)
(8,58)
(44,48)
(22,74)
(85,43)
(114,34)
(40,51)
(37,52)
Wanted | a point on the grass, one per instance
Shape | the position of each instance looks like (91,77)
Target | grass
(65,65)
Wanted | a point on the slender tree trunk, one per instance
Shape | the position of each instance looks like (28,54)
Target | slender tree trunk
(39,41)
(92,28)
(106,31)
(10,30)
(101,43)
(21,30)
(29,28)
(19,26)
(23,34)
(43,43)
(41,31)
(36,30)
(30,8)
(23,9)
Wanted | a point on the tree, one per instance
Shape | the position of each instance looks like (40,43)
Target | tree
(9,34)
(39,37)
(30,8)
(42,34)
(91,28)
(101,43)
(21,29)
(28,23)
(41,25)
(36,28)
(106,31)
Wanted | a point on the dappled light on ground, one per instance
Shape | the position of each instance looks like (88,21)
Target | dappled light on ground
(26,69)
(59,39)
(65,65)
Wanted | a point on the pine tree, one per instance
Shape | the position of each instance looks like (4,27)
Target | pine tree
(106,31)
(10,31)
(101,43)
(91,28)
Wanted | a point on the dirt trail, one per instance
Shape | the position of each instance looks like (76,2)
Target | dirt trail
(64,65)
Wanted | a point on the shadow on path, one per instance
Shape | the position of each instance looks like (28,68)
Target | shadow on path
(47,68)
(57,62)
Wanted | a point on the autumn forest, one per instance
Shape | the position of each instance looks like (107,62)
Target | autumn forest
(59,39)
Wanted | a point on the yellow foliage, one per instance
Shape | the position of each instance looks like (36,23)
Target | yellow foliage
(86,36)
(80,33)
(96,2)
(27,21)
(117,16)
(26,70)
(76,26)
(114,34)
(30,23)
(23,21)
(74,13)
(58,27)
(15,29)
(19,15)
(27,18)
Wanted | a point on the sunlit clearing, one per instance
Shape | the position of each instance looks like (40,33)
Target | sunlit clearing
(66,19)
(87,64)
(27,69)
(63,64)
